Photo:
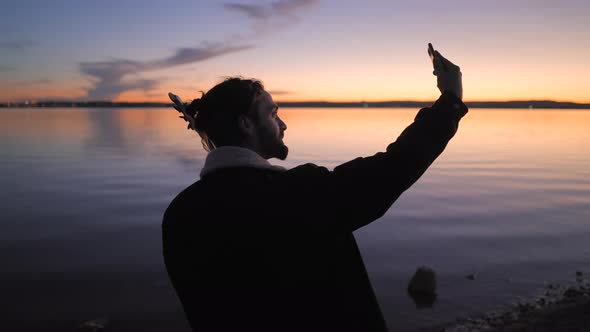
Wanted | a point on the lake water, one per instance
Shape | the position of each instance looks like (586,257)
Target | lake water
(84,191)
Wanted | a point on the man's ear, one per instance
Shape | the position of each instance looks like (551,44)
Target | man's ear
(246,125)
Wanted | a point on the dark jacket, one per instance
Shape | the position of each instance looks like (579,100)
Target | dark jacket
(250,249)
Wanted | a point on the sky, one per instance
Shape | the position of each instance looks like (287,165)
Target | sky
(301,49)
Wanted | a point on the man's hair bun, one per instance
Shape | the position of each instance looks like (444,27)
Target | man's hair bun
(194,107)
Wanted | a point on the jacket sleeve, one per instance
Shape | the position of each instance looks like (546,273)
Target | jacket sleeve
(362,190)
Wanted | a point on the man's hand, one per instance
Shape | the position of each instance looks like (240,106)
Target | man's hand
(448,75)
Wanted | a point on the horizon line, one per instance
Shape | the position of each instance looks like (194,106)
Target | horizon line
(60,100)
(530,103)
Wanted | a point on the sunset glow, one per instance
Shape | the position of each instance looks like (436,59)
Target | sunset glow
(301,49)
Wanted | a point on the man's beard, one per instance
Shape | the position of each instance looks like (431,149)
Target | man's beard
(274,147)
(281,151)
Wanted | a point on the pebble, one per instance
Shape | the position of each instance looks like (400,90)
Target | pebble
(95,325)
(422,287)
(423,281)
(572,292)
(556,294)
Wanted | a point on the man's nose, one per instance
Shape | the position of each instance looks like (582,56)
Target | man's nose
(283,125)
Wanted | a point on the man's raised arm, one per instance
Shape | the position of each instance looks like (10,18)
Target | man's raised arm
(362,190)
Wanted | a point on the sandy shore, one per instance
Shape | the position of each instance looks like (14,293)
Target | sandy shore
(148,303)
(559,308)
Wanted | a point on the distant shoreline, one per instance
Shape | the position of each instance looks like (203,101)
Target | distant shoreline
(525,104)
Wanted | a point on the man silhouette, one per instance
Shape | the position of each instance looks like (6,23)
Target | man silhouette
(256,247)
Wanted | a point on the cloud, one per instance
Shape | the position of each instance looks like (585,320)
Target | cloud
(280,9)
(252,11)
(279,92)
(42,81)
(114,77)
(189,55)
(4,69)
(18,45)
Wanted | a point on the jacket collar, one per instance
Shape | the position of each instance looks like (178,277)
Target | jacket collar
(235,156)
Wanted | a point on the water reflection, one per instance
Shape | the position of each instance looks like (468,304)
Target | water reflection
(509,198)
(107,130)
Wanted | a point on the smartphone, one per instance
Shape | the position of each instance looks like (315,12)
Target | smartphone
(431,52)
(175,99)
